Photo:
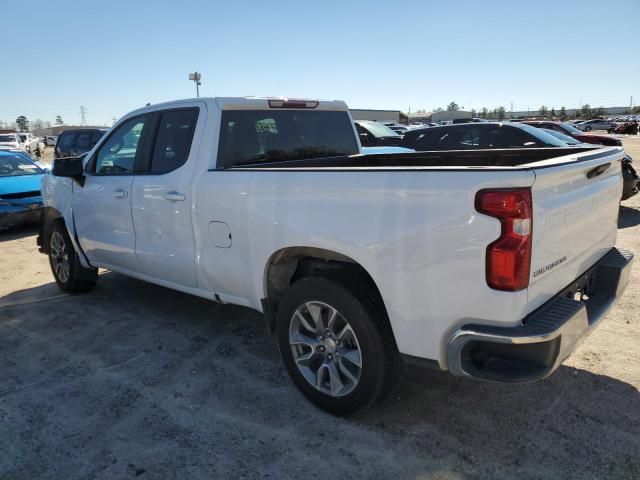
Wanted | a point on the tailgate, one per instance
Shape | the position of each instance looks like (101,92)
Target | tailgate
(575,215)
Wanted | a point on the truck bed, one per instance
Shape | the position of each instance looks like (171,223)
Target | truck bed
(508,158)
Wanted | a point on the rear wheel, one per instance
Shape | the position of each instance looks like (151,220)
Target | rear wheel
(335,345)
(70,276)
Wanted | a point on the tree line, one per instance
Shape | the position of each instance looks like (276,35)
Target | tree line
(500,113)
(23,124)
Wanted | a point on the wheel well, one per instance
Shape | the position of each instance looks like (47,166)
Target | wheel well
(49,216)
(291,264)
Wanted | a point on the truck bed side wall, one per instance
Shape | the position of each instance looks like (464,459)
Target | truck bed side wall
(416,233)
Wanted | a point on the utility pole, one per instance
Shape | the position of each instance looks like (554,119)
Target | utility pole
(195,77)
(631,102)
(83,115)
(113,121)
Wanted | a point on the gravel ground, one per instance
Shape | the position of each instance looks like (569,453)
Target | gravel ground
(134,380)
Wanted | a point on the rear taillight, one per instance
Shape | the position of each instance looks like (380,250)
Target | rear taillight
(509,257)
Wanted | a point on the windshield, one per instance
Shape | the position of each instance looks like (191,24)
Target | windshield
(251,136)
(7,138)
(14,166)
(378,130)
(561,136)
(23,137)
(571,129)
(550,140)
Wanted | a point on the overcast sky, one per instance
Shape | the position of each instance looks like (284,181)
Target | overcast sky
(118,55)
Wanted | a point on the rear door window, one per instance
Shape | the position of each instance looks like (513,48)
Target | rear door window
(465,138)
(255,136)
(509,137)
(173,139)
(95,137)
(437,139)
(83,141)
(67,140)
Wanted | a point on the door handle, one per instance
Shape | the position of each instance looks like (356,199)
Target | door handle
(174,197)
(120,194)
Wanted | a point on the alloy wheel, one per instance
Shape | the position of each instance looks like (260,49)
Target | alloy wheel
(59,257)
(325,348)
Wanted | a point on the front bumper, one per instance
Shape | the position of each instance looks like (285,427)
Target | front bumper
(546,337)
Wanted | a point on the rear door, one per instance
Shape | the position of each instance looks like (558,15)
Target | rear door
(102,207)
(162,200)
(575,214)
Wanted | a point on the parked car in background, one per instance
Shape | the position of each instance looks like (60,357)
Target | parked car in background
(20,197)
(595,124)
(629,176)
(376,134)
(27,156)
(563,137)
(31,144)
(50,140)
(10,140)
(572,131)
(626,128)
(357,261)
(480,135)
(399,129)
(75,142)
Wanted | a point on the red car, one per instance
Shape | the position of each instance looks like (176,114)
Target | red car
(572,131)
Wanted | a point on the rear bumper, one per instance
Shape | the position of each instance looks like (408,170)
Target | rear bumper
(545,338)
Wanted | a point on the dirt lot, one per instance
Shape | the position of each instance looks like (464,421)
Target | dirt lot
(134,380)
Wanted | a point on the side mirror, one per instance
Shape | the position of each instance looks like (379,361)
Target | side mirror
(69,167)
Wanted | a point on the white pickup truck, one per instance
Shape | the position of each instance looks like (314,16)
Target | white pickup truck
(490,264)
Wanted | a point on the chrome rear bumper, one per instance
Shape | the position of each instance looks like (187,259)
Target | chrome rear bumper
(546,337)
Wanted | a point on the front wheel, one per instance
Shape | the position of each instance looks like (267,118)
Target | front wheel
(70,276)
(336,345)
(587,129)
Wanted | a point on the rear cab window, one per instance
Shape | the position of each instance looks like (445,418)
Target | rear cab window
(255,136)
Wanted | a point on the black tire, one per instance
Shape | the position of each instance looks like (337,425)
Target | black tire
(74,278)
(587,129)
(380,361)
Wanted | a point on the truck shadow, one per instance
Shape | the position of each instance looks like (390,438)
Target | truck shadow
(576,423)
(629,217)
(16,233)
(573,424)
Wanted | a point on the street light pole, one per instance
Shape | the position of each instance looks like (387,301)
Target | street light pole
(195,77)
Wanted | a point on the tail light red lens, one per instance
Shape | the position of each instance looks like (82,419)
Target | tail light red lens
(508,260)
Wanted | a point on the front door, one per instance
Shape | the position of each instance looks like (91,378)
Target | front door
(102,207)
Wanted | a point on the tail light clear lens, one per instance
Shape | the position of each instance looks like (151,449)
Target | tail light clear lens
(508,259)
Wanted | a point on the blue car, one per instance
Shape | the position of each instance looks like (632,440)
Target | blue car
(20,197)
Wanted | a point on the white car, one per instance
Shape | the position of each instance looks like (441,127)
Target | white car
(488,264)
(11,140)
(32,145)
